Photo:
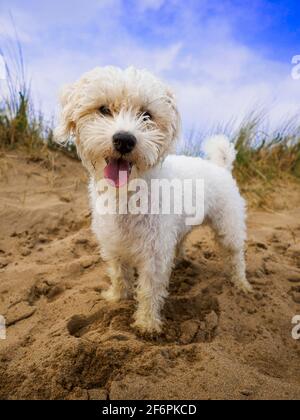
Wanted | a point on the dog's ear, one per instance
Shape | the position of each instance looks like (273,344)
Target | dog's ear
(66,126)
(176,121)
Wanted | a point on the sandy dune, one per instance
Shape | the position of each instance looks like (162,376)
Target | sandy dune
(64,341)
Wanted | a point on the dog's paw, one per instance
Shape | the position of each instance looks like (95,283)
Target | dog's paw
(247,287)
(110,295)
(148,328)
(243,285)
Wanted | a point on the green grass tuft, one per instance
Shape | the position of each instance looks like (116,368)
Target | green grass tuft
(261,155)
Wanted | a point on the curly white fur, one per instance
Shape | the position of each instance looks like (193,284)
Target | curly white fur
(148,243)
(220,151)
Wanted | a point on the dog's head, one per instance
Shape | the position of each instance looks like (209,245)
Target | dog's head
(121,119)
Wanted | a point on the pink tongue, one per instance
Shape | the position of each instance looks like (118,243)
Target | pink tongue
(117,172)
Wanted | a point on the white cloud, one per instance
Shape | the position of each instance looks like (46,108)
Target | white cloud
(208,102)
(216,78)
(144,5)
(219,80)
(9,30)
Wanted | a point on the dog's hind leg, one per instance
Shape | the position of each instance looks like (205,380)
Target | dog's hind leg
(229,225)
(238,268)
(121,278)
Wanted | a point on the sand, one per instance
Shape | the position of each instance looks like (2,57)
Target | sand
(65,342)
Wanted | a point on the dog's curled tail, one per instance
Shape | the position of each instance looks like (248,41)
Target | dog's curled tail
(220,151)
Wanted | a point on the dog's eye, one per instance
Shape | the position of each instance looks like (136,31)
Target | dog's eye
(147,116)
(104,110)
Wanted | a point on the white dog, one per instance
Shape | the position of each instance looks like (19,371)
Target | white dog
(127,121)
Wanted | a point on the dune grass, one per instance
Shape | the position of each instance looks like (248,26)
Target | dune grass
(260,154)
(267,156)
(22,126)
(19,123)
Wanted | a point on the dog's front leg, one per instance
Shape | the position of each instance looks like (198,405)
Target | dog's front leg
(152,289)
(121,281)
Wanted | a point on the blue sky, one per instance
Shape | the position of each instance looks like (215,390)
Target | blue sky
(222,57)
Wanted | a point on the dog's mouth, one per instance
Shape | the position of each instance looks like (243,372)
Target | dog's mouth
(117,172)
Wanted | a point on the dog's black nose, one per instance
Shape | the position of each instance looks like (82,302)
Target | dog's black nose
(124,142)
